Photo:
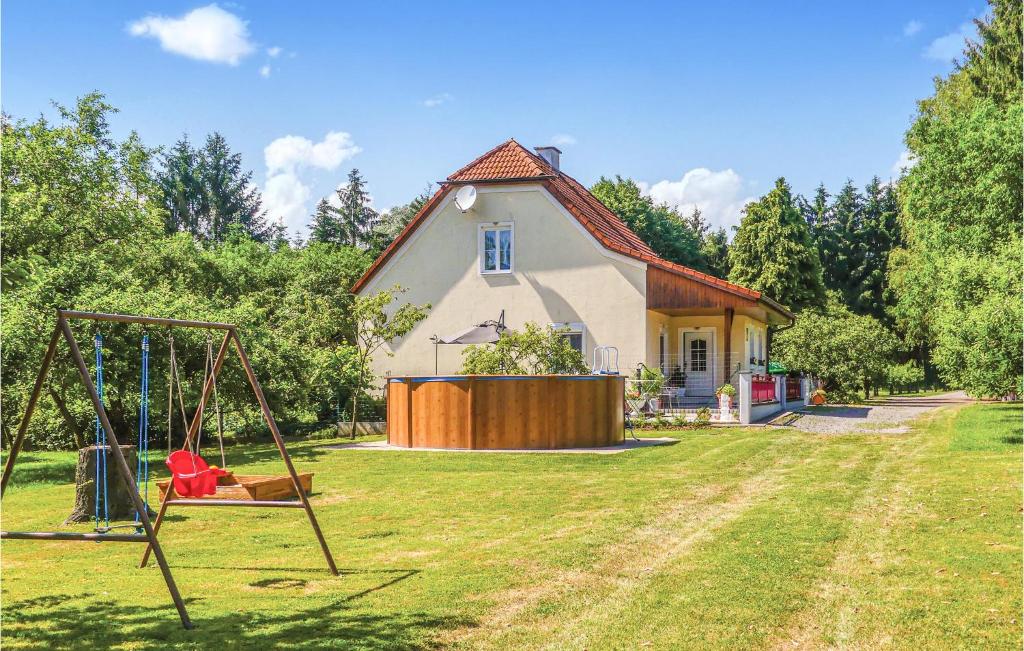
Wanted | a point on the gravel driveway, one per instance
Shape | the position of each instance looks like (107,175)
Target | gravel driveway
(886,416)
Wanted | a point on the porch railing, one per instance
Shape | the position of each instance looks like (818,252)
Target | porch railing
(793,388)
(762,389)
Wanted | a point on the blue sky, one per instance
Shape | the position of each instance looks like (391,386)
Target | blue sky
(704,103)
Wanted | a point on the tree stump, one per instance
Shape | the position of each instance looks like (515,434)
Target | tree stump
(119,501)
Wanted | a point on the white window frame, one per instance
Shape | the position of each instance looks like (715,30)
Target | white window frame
(496,226)
(573,328)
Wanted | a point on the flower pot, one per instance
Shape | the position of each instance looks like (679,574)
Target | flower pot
(817,399)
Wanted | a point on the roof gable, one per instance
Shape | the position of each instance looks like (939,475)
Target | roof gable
(510,162)
(507,161)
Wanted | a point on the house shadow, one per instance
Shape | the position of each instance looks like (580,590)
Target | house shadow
(838,412)
(89,621)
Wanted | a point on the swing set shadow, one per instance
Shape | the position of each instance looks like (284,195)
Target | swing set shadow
(63,329)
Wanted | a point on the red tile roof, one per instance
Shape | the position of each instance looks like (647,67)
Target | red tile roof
(510,162)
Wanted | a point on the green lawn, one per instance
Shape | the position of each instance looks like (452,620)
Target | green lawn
(730,538)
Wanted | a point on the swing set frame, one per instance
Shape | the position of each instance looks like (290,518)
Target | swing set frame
(63,328)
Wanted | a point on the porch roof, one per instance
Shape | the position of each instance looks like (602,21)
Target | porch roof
(677,290)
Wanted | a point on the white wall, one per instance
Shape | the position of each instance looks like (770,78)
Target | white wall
(561,274)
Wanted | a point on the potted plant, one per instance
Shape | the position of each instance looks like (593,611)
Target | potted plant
(725,394)
(651,383)
(818,397)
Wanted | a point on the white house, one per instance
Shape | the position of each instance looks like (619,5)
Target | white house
(539,246)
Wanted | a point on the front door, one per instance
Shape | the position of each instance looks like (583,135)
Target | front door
(698,363)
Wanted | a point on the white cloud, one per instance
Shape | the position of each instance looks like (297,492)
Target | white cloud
(207,34)
(949,47)
(720,196)
(912,28)
(285,197)
(904,163)
(274,52)
(265,71)
(291,152)
(285,193)
(437,100)
(562,140)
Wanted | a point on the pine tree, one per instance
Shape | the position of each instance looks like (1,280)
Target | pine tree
(715,249)
(878,235)
(356,217)
(181,188)
(207,193)
(230,198)
(696,222)
(326,225)
(816,212)
(773,251)
(843,259)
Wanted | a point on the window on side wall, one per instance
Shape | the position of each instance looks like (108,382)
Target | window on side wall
(573,333)
(497,248)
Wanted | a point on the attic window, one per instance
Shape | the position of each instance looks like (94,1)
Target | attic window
(496,248)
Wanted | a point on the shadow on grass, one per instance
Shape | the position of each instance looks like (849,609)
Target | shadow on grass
(38,470)
(89,621)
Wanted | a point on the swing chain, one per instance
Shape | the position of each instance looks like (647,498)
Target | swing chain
(100,490)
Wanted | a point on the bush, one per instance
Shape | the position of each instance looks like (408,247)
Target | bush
(904,375)
(704,415)
(533,351)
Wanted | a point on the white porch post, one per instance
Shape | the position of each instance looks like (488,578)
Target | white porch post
(744,394)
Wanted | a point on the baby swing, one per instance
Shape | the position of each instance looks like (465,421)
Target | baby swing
(191,475)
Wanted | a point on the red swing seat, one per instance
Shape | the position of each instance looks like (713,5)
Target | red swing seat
(192,476)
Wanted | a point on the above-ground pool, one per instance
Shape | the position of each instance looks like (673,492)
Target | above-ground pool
(502,412)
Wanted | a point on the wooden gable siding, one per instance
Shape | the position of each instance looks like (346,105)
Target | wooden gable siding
(666,290)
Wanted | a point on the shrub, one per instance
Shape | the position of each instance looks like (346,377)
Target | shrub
(532,351)
(704,414)
(726,390)
(904,375)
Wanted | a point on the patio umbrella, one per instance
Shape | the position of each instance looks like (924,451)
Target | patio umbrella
(488,332)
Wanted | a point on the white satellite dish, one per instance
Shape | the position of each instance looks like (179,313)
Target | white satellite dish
(465,198)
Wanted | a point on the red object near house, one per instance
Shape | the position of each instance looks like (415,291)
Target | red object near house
(792,388)
(192,476)
(762,389)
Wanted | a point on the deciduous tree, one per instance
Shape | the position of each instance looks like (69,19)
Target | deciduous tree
(661,227)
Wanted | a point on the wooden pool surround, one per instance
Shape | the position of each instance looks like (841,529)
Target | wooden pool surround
(502,412)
